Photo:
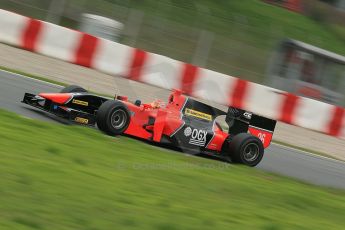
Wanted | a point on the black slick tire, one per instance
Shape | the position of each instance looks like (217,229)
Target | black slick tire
(246,149)
(73,89)
(113,117)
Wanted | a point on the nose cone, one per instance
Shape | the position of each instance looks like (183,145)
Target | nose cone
(60,98)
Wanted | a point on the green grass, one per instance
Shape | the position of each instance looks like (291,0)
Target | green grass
(71,177)
(245,32)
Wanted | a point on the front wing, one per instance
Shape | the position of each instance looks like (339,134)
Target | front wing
(59,110)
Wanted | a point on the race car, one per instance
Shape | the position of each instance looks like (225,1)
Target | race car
(182,122)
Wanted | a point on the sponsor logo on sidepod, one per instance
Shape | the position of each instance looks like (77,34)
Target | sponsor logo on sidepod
(197,136)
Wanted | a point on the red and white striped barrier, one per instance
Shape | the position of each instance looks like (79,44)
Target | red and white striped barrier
(138,65)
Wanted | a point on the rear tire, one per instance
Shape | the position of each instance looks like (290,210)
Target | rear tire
(73,89)
(246,149)
(113,117)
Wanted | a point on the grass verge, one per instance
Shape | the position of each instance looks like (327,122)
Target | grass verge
(72,177)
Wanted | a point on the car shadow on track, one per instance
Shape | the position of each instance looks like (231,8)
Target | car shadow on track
(47,115)
(172,148)
(175,149)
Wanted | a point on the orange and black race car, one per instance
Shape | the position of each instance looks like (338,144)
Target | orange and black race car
(182,122)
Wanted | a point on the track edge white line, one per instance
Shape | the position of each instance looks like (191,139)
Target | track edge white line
(309,153)
(35,79)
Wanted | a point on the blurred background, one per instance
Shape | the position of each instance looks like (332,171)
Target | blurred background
(297,47)
(77,178)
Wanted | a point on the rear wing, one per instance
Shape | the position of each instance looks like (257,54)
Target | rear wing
(241,121)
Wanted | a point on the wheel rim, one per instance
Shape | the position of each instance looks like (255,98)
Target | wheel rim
(118,119)
(251,152)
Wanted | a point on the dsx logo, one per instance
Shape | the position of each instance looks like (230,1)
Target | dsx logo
(197,136)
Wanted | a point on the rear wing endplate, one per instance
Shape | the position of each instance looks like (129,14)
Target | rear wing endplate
(241,121)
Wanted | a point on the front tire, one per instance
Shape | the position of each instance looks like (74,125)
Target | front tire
(246,149)
(73,89)
(113,117)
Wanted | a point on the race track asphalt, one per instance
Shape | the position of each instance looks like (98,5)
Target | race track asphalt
(278,159)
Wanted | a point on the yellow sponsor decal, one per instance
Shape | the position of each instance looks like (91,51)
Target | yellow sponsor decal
(81,120)
(84,103)
(194,113)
